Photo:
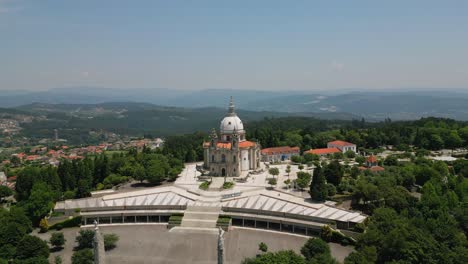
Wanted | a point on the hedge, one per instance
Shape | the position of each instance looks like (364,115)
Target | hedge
(73,222)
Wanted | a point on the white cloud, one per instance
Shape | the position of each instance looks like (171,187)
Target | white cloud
(85,74)
(337,66)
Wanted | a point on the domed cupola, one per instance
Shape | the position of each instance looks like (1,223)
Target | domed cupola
(231,123)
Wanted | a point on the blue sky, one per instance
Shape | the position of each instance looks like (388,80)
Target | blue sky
(267,45)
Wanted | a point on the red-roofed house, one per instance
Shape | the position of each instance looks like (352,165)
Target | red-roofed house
(343,146)
(279,153)
(322,151)
(371,161)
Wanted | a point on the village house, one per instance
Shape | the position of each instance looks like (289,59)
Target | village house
(343,146)
(279,153)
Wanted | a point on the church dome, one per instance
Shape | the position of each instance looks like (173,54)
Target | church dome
(229,123)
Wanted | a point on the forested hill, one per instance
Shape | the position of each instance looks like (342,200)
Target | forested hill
(426,133)
(136,119)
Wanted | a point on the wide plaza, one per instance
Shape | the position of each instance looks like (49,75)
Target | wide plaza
(145,244)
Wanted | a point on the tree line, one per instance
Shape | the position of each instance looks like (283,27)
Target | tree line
(426,133)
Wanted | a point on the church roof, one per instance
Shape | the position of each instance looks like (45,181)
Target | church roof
(247,144)
(225,145)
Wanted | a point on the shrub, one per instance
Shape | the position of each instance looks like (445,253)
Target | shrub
(58,260)
(84,256)
(313,247)
(204,185)
(263,247)
(228,185)
(57,239)
(175,219)
(72,222)
(223,220)
(110,241)
(85,239)
(43,225)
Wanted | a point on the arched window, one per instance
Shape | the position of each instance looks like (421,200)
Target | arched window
(223,158)
(234,158)
(228,138)
(212,143)
(212,158)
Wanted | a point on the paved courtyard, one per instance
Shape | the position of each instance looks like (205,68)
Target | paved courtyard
(188,179)
(145,244)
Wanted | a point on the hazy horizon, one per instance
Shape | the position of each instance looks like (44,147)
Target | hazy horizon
(265,45)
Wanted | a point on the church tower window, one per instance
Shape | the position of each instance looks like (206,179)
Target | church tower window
(212,158)
(223,158)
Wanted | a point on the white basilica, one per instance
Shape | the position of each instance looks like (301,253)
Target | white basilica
(229,153)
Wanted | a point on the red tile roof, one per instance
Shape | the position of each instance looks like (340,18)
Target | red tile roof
(322,151)
(277,150)
(223,145)
(247,144)
(372,159)
(340,143)
(377,168)
(33,157)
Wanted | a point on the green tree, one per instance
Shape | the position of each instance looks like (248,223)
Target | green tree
(31,246)
(366,255)
(280,257)
(303,179)
(296,159)
(354,172)
(155,174)
(314,247)
(333,172)
(309,157)
(331,190)
(273,171)
(5,192)
(350,154)
(39,203)
(453,140)
(318,187)
(338,156)
(391,161)
(272,182)
(83,256)
(85,239)
(57,239)
(139,173)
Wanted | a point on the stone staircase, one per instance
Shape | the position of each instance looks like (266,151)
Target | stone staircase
(199,218)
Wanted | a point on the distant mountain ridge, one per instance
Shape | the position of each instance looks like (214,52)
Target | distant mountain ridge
(372,105)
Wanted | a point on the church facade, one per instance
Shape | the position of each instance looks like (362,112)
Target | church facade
(228,153)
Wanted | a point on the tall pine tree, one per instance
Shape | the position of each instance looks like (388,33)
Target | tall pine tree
(318,188)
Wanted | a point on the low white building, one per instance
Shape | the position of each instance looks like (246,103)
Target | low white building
(343,146)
